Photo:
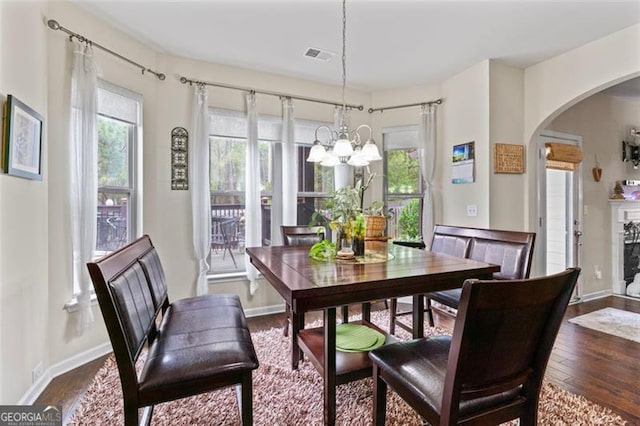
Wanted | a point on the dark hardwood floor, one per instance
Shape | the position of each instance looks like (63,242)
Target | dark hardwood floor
(603,368)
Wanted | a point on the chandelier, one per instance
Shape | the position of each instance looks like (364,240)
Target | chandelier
(345,146)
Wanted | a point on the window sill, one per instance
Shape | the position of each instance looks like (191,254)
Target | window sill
(73,305)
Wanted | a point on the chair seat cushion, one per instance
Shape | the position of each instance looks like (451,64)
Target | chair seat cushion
(449,298)
(200,340)
(420,366)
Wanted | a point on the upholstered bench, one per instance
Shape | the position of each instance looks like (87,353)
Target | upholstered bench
(512,250)
(194,345)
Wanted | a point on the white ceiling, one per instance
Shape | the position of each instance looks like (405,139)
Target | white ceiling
(390,44)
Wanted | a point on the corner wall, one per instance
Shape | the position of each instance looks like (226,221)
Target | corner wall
(24,292)
(466,113)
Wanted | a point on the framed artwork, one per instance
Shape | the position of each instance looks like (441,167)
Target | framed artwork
(508,158)
(464,163)
(22,140)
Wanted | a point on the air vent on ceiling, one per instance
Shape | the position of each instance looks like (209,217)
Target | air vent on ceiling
(323,55)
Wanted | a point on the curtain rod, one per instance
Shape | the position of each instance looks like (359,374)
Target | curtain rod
(54,25)
(436,102)
(185,80)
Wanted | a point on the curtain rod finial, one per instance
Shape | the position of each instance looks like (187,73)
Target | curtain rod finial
(161,76)
(53,24)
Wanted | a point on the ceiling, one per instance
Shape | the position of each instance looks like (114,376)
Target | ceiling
(390,43)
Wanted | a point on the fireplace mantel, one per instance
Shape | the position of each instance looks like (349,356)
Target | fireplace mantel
(622,211)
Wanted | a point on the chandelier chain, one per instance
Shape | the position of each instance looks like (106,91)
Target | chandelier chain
(344,52)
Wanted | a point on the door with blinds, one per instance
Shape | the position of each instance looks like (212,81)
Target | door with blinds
(559,202)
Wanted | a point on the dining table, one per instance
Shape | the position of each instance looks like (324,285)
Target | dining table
(386,271)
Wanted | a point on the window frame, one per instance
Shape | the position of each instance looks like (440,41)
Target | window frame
(385,163)
(275,159)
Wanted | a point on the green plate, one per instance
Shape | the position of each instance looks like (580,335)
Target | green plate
(357,338)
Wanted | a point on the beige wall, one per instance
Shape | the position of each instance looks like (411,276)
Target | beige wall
(466,118)
(506,126)
(24,292)
(35,278)
(603,122)
(554,85)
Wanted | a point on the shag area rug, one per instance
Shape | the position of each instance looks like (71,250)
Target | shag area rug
(614,321)
(285,397)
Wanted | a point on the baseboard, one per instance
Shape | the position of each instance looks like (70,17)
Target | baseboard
(593,296)
(60,368)
(265,310)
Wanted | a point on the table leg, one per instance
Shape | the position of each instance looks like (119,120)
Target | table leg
(329,366)
(366,311)
(297,324)
(418,316)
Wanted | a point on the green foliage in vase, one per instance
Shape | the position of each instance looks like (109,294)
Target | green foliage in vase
(408,220)
(358,227)
(323,250)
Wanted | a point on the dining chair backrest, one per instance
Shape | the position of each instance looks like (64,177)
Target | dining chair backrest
(302,235)
(502,339)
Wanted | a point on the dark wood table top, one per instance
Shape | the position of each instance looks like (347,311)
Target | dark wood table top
(308,284)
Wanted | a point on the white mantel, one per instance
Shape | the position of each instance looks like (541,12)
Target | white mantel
(622,211)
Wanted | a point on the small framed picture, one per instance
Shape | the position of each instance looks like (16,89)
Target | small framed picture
(22,140)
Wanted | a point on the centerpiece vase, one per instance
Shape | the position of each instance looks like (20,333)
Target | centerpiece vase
(358,246)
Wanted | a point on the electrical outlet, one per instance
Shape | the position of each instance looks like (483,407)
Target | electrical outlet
(472,210)
(37,372)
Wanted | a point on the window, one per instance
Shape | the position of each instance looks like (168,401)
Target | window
(403,182)
(227,182)
(119,129)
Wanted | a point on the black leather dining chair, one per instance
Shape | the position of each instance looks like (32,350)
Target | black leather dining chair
(491,370)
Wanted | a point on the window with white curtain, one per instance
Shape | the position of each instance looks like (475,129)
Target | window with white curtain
(227,174)
(119,132)
(403,182)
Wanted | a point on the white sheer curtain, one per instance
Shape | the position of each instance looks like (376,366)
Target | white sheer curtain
(84,175)
(253,215)
(427,144)
(289,166)
(200,192)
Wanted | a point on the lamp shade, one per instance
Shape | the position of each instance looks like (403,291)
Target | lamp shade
(370,151)
(317,153)
(358,158)
(342,148)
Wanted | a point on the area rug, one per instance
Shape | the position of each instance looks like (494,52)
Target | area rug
(613,321)
(285,397)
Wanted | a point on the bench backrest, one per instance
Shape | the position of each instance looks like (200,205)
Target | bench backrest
(131,291)
(512,250)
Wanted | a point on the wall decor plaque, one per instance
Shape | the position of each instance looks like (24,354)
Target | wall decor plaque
(508,158)
(179,159)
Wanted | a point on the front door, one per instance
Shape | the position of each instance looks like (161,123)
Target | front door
(559,209)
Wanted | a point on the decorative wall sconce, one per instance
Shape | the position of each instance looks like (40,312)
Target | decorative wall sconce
(179,159)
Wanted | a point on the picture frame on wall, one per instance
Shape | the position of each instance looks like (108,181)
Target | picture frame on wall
(22,148)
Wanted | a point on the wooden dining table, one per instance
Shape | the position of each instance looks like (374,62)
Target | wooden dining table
(387,271)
